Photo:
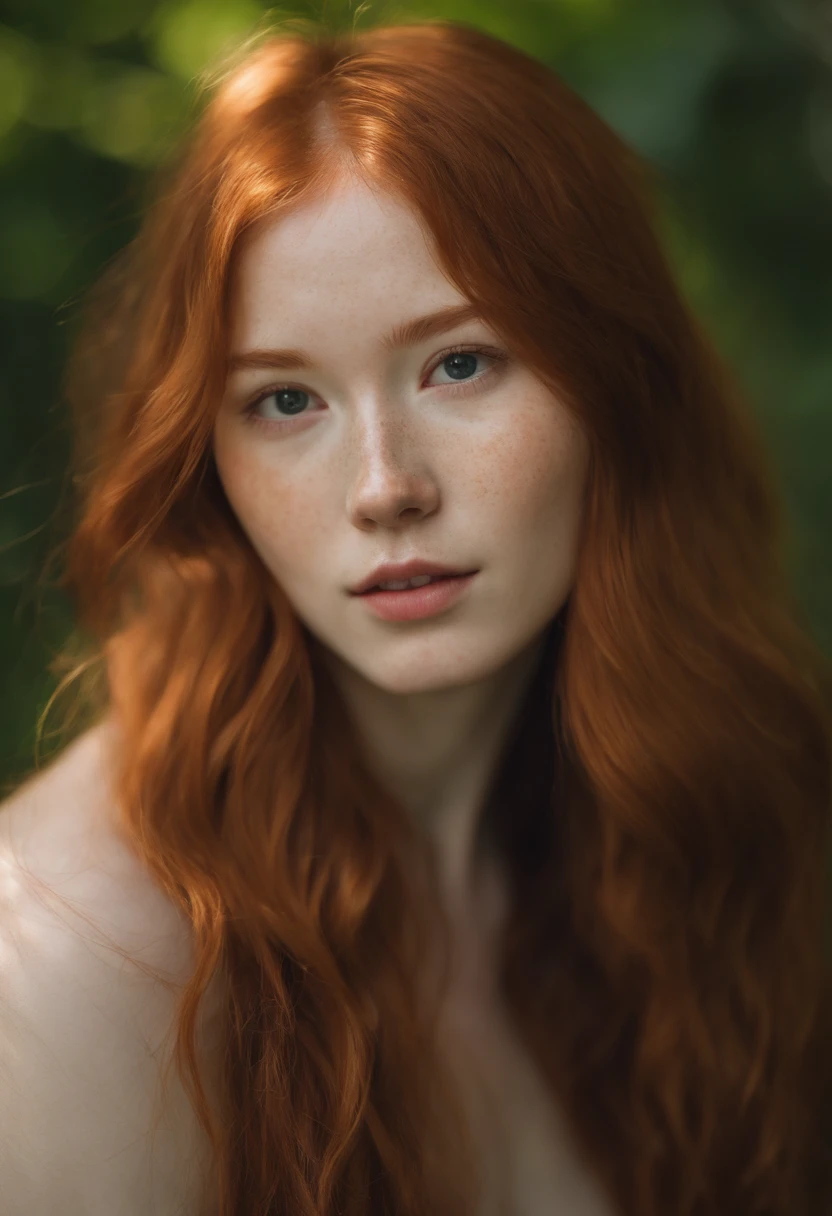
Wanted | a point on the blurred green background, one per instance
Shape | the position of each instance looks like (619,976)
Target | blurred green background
(732,101)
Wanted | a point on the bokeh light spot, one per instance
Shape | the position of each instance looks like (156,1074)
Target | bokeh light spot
(189,36)
(59,95)
(131,114)
(18,73)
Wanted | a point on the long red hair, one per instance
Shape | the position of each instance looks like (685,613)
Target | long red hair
(664,802)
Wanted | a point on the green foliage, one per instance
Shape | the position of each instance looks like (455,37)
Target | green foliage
(733,102)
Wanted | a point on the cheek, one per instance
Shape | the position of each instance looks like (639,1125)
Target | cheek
(532,476)
(272,513)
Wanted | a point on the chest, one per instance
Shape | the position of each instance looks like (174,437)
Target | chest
(530,1164)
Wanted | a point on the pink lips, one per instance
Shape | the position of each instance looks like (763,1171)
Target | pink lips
(389,572)
(418,602)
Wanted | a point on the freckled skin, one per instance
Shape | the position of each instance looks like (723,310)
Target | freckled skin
(386,465)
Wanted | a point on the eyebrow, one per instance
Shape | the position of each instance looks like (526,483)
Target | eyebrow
(419,329)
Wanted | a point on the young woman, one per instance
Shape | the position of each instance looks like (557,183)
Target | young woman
(502,893)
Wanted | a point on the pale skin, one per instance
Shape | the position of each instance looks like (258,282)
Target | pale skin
(373,460)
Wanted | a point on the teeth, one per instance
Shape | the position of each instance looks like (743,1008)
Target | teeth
(420,580)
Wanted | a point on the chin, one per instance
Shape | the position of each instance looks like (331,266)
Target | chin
(445,668)
(403,684)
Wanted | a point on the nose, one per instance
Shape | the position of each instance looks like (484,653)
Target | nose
(391,481)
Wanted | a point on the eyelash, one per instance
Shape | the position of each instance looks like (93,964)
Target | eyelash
(463,388)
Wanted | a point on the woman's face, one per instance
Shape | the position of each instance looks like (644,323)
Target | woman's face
(375,453)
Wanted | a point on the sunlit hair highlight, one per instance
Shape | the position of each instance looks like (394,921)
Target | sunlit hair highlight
(664,803)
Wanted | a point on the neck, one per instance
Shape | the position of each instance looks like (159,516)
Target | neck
(437,753)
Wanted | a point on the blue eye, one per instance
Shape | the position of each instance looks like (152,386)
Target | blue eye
(292,406)
(463,363)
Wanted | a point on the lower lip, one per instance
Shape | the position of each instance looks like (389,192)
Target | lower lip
(417,602)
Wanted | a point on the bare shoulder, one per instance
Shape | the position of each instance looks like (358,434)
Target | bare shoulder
(83,1032)
(60,837)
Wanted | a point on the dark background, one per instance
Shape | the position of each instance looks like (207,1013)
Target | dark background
(732,101)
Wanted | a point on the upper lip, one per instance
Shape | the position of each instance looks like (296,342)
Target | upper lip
(389,571)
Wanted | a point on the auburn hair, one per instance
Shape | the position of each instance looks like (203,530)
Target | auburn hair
(663,805)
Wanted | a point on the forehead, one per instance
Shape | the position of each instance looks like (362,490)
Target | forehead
(356,248)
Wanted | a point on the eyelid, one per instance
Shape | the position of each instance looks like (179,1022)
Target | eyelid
(496,354)
(474,348)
